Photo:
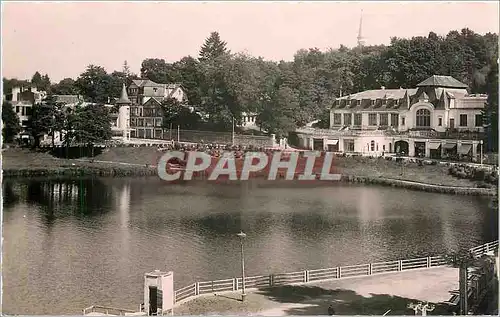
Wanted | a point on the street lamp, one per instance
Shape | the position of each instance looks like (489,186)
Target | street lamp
(242,236)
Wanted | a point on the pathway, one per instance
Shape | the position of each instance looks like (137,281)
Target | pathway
(351,296)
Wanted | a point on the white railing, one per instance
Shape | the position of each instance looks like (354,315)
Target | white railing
(264,281)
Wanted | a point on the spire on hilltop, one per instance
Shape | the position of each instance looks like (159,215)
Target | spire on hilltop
(361,39)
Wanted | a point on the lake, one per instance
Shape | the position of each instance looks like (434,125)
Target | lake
(69,244)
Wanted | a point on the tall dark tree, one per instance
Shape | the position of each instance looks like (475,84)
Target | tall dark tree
(213,47)
(37,80)
(10,122)
(45,83)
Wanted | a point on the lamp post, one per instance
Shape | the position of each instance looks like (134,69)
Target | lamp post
(232,135)
(481,151)
(242,236)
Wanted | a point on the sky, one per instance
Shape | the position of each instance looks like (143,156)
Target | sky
(62,39)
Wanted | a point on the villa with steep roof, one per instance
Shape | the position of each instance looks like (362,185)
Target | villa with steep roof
(437,119)
(146,96)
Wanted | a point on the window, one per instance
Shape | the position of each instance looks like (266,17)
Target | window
(423,118)
(358,102)
(463,120)
(383,147)
(358,119)
(479,120)
(155,89)
(348,145)
(394,119)
(403,121)
(347,119)
(17,109)
(337,119)
(440,121)
(372,102)
(372,119)
(372,146)
(158,122)
(384,119)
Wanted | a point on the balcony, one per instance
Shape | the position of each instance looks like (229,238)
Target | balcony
(425,134)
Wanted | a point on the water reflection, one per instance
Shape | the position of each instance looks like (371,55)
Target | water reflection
(95,238)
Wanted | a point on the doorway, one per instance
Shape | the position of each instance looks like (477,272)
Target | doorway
(153,300)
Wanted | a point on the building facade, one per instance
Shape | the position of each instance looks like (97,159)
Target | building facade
(23,99)
(146,97)
(437,119)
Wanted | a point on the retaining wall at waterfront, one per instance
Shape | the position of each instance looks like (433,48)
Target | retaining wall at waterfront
(205,288)
(130,170)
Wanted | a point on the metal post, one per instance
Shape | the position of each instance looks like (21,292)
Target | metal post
(178,134)
(243,294)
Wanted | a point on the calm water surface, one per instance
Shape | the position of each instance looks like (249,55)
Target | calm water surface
(71,244)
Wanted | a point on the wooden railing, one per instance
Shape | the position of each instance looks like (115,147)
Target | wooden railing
(264,281)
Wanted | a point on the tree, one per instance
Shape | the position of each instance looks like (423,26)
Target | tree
(126,69)
(491,112)
(213,47)
(42,121)
(177,114)
(95,84)
(89,125)
(158,70)
(37,79)
(45,83)
(10,122)
(67,86)
(278,115)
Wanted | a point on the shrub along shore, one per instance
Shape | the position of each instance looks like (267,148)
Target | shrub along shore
(21,163)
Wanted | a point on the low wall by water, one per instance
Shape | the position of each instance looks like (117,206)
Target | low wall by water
(131,170)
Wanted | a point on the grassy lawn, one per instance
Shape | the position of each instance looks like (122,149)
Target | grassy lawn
(377,167)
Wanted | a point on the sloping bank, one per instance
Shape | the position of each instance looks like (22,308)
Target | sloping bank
(137,170)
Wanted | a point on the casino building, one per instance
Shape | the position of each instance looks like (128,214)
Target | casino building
(437,119)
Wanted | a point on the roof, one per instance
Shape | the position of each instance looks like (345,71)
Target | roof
(146,83)
(380,94)
(123,97)
(442,81)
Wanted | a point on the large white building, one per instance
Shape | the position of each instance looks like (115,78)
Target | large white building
(438,119)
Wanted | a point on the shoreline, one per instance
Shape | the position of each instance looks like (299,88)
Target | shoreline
(135,171)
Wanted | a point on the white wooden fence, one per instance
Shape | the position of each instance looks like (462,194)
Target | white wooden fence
(264,281)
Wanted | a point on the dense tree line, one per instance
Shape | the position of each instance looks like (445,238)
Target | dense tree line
(288,94)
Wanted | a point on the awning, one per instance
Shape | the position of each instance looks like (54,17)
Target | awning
(465,149)
(450,146)
(434,146)
(332,142)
